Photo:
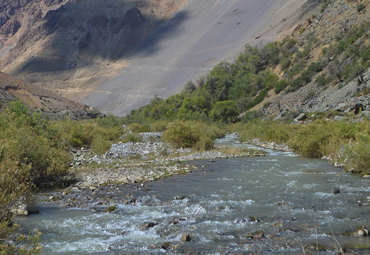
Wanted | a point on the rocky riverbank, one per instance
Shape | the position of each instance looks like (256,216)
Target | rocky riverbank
(128,166)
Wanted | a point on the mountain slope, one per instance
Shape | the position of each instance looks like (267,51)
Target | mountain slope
(40,99)
(206,33)
(339,35)
(116,55)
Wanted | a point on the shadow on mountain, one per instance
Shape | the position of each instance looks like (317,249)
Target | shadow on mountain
(76,37)
(169,29)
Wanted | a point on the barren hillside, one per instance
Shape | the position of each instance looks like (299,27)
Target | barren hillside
(38,98)
(116,55)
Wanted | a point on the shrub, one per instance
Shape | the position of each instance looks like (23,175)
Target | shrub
(280,86)
(100,145)
(360,7)
(357,154)
(322,80)
(224,111)
(132,137)
(269,131)
(192,134)
(77,134)
(158,126)
(13,186)
(182,134)
(137,128)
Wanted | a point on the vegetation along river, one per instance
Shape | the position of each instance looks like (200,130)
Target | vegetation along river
(279,204)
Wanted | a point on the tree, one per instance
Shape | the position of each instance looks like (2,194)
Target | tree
(224,111)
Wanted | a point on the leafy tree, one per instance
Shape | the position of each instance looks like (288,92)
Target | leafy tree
(224,111)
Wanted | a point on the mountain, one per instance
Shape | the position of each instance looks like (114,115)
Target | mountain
(336,38)
(116,55)
(40,99)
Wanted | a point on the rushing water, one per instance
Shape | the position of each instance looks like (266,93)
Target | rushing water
(291,195)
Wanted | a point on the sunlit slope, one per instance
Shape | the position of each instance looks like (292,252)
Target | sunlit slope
(187,46)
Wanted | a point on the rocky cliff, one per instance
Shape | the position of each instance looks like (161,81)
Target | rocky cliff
(339,35)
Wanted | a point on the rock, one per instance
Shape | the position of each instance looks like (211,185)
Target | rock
(336,191)
(301,117)
(248,219)
(277,118)
(25,209)
(345,107)
(186,238)
(277,224)
(365,114)
(256,235)
(147,225)
(166,245)
(336,164)
(361,232)
(339,118)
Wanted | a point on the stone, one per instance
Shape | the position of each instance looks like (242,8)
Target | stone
(277,224)
(25,209)
(345,107)
(360,233)
(166,245)
(336,191)
(301,117)
(339,118)
(365,114)
(256,235)
(186,238)
(148,225)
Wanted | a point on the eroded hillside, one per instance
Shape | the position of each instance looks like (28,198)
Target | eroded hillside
(39,99)
(116,55)
(334,44)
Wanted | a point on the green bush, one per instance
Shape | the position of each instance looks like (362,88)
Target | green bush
(356,154)
(77,134)
(100,145)
(158,126)
(322,80)
(192,134)
(269,131)
(14,188)
(137,128)
(132,137)
(280,86)
(360,7)
(224,112)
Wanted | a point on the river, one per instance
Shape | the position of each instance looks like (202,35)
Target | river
(279,204)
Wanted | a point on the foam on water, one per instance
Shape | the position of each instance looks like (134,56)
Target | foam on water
(211,210)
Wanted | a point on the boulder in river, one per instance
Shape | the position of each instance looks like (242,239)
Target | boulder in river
(361,232)
(336,191)
(148,225)
(186,238)
(25,209)
(166,245)
(256,235)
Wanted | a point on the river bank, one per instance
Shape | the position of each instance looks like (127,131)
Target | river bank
(278,204)
(129,166)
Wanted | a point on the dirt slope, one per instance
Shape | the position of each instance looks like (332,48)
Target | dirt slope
(116,55)
(202,34)
(38,98)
